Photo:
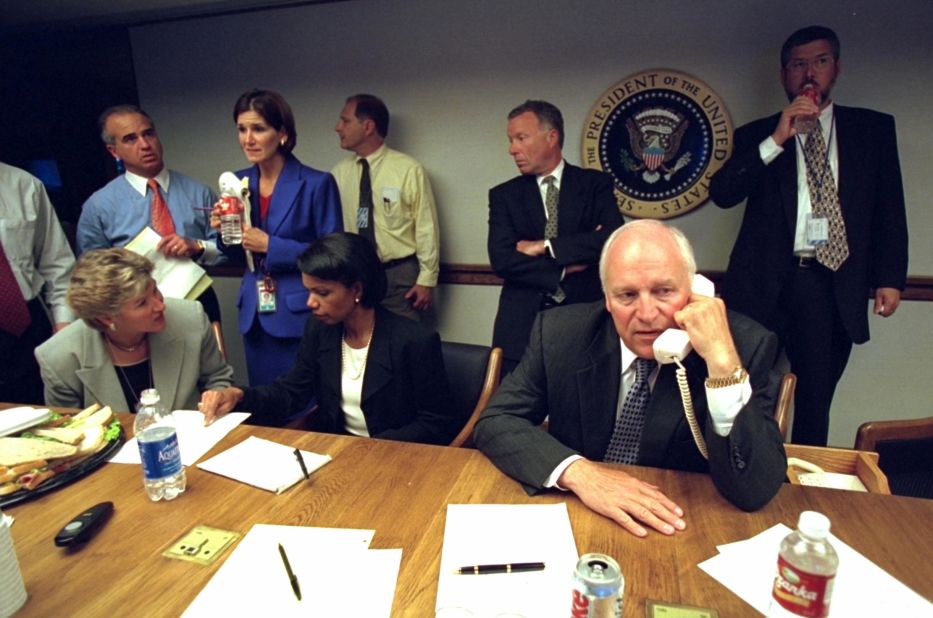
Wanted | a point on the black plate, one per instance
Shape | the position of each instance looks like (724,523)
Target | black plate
(71,474)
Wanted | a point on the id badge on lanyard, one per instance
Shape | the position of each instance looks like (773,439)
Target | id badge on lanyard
(817,230)
(265,289)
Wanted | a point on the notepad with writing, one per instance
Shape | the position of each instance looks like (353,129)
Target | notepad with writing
(263,463)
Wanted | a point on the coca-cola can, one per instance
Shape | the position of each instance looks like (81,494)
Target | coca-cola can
(598,588)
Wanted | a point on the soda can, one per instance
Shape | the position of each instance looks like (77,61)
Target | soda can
(598,588)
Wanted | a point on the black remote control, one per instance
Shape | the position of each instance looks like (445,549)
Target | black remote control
(82,528)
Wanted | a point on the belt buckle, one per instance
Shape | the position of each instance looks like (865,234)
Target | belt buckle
(805,261)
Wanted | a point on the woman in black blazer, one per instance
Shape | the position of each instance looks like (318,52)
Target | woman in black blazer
(374,373)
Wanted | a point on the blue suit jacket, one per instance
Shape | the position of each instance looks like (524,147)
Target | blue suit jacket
(305,206)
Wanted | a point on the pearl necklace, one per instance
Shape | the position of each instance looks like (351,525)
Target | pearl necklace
(131,348)
(347,366)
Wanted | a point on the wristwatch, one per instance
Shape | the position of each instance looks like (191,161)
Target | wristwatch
(737,376)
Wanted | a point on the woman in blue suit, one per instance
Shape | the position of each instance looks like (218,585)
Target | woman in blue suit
(292,205)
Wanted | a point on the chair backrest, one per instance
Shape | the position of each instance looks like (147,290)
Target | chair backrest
(219,336)
(473,372)
(785,402)
(905,448)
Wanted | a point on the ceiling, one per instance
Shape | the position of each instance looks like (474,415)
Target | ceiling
(37,15)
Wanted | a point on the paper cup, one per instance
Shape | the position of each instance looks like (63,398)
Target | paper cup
(12,589)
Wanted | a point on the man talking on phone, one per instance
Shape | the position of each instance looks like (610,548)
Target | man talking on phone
(591,370)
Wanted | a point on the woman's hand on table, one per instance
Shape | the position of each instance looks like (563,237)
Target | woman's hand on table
(215,404)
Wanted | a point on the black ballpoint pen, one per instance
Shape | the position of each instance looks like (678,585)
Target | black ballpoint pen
(515,567)
(301,462)
(292,579)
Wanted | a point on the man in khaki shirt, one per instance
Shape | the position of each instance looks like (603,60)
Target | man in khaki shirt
(400,216)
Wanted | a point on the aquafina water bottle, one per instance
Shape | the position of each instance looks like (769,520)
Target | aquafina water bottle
(163,474)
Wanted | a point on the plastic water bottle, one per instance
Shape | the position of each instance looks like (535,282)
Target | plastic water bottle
(807,124)
(163,474)
(231,220)
(806,570)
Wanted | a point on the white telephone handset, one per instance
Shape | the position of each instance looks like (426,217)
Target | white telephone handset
(672,346)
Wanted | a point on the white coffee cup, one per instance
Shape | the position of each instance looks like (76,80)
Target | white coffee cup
(12,588)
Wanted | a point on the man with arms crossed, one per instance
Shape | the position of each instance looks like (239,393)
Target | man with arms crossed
(148,194)
(590,370)
(546,227)
(824,222)
(387,198)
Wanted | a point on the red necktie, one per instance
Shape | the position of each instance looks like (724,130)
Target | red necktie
(161,217)
(14,314)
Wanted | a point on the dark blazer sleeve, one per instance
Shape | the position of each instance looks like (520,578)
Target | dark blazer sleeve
(420,409)
(889,221)
(743,172)
(749,465)
(288,394)
(509,222)
(509,431)
(589,193)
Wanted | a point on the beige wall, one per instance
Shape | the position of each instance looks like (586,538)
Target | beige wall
(450,71)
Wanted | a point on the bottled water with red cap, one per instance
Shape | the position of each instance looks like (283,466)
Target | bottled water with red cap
(806,570)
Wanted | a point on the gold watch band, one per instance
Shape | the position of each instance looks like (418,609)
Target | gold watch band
(736,377)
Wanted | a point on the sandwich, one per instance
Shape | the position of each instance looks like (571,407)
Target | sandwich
(36,455)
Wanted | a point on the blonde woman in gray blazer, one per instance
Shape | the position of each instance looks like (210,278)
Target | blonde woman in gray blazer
(129,338)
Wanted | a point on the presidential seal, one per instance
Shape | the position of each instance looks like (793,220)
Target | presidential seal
(661,135)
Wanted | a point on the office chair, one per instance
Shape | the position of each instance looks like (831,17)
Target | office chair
(905,450)
(219,336)
(473,372)
(783,406)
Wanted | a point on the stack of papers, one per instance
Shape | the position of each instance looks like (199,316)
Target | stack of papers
(194,439)
(861,588)
(264,464)
(176,277)
(477,534)
(337,575)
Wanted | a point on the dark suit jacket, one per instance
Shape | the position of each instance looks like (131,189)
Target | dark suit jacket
(571,373)
(405,391)
(516,212)
(305,206)
(871,197)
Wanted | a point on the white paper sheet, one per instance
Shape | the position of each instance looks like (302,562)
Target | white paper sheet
(194,439)
(337,574)
(861,587)
(264,464)
(175,277)
(500,534)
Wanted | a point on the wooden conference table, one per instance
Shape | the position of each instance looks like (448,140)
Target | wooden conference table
(401,490)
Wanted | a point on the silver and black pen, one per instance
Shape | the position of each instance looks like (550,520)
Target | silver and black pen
(514,567)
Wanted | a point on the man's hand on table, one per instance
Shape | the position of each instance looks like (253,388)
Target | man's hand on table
(622,498)
(217,403)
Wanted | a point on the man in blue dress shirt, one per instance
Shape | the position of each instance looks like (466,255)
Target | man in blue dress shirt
(116,213)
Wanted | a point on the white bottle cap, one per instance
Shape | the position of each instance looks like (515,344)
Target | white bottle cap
(149,397)
(814,525)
